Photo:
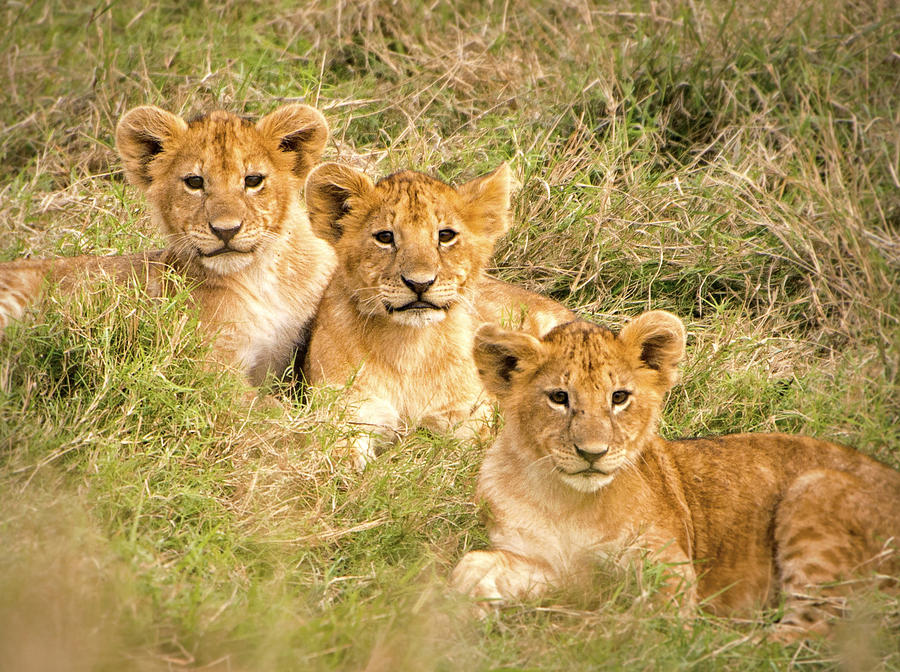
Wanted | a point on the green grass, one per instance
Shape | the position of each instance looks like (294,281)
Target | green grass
(733,162)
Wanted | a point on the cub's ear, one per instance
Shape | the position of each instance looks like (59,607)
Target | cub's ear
(498,353)
(299,130)
(658,338)
(486,200)
(332,190)
(142,134)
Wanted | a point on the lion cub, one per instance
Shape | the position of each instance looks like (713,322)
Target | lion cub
(578,470)
(226,193)
(400,313)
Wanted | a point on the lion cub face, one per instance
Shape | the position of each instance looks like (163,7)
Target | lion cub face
(583,399)
(409,246)
(221,187)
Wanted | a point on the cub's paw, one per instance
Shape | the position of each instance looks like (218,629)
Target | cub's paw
(790,631)
(476,575)
(465,423)
(362,451)
(379,426)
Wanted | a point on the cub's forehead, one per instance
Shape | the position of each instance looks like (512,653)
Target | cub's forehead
(583,350)
(222,139)
(414,197)
(580,338)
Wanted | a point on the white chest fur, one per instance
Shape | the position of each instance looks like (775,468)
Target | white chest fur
(545,518)
(274,323)
(427,369)
(267,310)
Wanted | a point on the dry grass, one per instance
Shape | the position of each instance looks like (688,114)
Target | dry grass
(735,163)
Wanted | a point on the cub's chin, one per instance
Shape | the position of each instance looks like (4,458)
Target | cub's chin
(586,482)
(418,317)
(227,263)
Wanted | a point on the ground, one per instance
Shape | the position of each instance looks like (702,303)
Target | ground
(735,163)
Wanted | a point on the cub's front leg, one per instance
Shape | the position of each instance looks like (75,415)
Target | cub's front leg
(679,578)
(492,577)
(379,424)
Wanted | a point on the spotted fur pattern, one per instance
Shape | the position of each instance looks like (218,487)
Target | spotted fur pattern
(227,195)
(400,313)
(579,470)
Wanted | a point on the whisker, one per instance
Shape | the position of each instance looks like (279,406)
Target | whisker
(538,461)
(359,290)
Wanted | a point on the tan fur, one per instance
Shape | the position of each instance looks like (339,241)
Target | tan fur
(258,270)
(745,519)
(411,367)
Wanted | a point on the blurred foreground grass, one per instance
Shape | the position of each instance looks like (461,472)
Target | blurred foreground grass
(734,163)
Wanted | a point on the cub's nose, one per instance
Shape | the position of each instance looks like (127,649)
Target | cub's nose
(592,453)
(225,229)
(417,285)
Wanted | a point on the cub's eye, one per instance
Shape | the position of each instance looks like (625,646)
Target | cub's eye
(194,182)
(446,235)
(384,237)
(254,180)
(559,397)
(620,397)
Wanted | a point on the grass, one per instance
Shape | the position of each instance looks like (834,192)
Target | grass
(736,163)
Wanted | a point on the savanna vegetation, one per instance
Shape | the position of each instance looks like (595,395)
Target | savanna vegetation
(735,163)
